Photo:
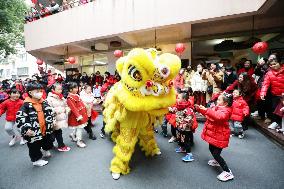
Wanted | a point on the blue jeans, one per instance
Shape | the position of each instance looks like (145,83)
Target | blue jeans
(236,127)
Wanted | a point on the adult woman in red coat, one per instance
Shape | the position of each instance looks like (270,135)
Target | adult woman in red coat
(217,132)
(78,117)
(247,87)
(274,79)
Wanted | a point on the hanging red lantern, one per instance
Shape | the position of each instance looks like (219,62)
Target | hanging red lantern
(180,47)
(71,60)
(260,47)
(118,53)
(39,62)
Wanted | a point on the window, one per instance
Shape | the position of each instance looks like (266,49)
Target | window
(23,57)
(23,71)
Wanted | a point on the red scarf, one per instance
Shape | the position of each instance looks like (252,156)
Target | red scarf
(59,95)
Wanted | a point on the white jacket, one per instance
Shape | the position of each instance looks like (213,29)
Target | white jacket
(61,110)
(197,83)
(97,91)
(88,100)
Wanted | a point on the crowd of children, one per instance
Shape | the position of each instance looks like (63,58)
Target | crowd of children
(39,122)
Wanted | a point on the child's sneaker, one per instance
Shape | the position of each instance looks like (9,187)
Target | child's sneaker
(172,139)
(102,135)
(188,157)
(64,149)
(273,125)
(241,136)
(213,163)
(225,176)
(40,163)
(13,141)
(81,144)
(23,141)
(180,150)
(73,137)
(46,154)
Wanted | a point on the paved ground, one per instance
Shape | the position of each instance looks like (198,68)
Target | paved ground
(255,161)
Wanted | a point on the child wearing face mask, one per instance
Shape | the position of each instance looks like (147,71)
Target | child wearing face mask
(36,119)
(78,117)
(56,100)
(11,107)
(216,132)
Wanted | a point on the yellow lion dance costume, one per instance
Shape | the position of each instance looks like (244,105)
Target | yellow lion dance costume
(134,104)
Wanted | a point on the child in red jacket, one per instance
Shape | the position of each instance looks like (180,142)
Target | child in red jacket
(217,132)
(78,117)
(240,110)
(11,107)
(186,124)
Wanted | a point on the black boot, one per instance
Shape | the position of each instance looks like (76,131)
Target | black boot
(92,136)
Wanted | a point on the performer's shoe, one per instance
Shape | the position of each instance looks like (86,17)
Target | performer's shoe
(115,176)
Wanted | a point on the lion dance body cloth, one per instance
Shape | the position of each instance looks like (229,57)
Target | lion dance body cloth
(134,104)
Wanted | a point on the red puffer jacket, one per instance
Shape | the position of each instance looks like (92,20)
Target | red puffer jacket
(77,109)
(275,80)
(12,107)
(216,130)
(240,109)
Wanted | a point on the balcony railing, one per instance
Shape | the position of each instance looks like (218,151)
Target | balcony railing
(34,14)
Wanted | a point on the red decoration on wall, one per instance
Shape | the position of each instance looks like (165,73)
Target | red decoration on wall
(34,1)
(118,53)
(180,47)
(39,62)
(260,47)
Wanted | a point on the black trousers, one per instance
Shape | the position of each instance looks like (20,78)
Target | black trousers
(59,138)
(173,131)
(35,148)
(184,139)
(164,127)
(103,128)
(275,101)
(216,153)
(88,128)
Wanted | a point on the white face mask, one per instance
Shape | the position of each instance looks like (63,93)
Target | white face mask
(37,95)
(199,69)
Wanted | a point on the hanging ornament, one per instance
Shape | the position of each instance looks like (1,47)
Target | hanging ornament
(71,60)
(39,62)
(180,47)
(260,47)
(118,53)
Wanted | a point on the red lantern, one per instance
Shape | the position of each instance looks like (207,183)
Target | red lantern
(71,60)
(118,53)
(260,47)
(39,62)
(180,47)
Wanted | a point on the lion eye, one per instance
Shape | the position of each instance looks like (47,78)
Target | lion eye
(134,73)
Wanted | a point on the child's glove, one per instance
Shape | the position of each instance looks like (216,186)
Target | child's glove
(79,118)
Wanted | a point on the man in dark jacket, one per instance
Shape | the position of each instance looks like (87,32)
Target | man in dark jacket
(229,77)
